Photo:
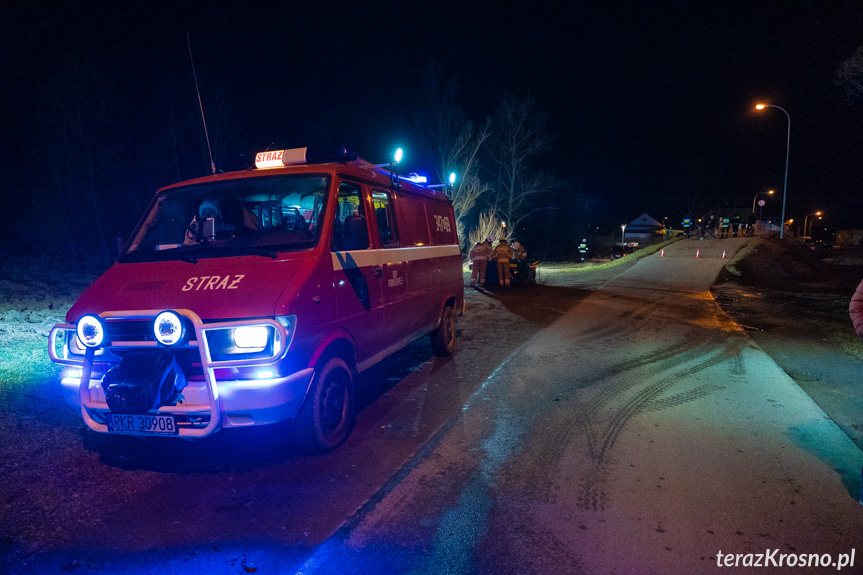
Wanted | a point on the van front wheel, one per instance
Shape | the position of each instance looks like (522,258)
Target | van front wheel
(443,338)
(327,416)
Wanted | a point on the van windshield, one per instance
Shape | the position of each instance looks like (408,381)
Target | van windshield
(245,216)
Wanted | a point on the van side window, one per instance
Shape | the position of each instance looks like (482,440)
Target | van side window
(350,229)
(411,217)
(384,219)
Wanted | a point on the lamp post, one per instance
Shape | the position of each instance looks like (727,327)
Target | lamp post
(768,192)
(787,150)
(623,233)
(806,222)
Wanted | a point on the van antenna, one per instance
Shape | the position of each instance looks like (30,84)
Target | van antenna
(201,106)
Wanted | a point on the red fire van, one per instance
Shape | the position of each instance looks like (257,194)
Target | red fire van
(252,297)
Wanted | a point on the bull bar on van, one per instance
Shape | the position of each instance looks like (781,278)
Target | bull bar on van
(218,392)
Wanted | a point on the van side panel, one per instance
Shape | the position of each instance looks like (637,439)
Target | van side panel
(359,293)
(310,296)
(432,263)
(441,222)
(448,275)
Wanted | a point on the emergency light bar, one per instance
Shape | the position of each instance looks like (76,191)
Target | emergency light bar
(301,156)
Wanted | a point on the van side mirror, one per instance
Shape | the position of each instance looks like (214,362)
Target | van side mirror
(356,233)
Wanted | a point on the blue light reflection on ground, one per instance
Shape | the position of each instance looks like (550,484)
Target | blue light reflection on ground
(811,437)
(461,527)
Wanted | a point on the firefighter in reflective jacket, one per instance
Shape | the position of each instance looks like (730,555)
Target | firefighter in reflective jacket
(518,251)
(479,256)
(687,227)
(503,253)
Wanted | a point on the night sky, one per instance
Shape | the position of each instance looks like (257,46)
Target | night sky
(652,102)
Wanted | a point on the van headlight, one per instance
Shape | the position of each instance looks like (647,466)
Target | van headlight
(250,342)
(251,338)
(91,331)
(243,342)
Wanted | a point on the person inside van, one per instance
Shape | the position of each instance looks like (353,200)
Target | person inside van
(207,210)
(194,233)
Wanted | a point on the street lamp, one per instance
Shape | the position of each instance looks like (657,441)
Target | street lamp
(787,150)
(806,221)
(623,233)
(769,192)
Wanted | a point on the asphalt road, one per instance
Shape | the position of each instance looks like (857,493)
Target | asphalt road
(641,432)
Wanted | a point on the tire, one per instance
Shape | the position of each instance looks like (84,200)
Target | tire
(327,416)
(443,338)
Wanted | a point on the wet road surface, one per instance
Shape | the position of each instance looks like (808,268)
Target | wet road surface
(641,432)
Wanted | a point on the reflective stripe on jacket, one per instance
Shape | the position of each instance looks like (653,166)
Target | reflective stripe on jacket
(480,252)
(503,252)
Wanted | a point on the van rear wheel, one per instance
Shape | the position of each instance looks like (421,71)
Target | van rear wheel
(327,417)
(443,338)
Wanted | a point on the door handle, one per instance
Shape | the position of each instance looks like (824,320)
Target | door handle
(378,271)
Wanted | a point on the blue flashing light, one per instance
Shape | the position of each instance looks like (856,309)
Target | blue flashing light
(398,155)
(452,178)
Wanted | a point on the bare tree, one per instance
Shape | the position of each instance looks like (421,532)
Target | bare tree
(464,198)
(451,140)
(441,126)
(521,134)
(849,76)
(488,225)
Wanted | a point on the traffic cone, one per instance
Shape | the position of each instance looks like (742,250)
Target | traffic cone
(723,254)
(662,253)
(698,253)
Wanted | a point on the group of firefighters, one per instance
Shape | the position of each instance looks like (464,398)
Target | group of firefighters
(503,253)
(707,225)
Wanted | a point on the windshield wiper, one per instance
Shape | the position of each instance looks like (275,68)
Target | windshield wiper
(263,252)
(188,258)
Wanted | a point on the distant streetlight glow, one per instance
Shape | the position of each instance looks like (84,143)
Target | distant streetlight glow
(623,233)
(769,192)
(806,222)
(787,150)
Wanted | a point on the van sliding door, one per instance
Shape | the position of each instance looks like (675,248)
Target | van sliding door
(400,315)
(357,273)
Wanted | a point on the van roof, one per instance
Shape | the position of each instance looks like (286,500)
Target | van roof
(347,164)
